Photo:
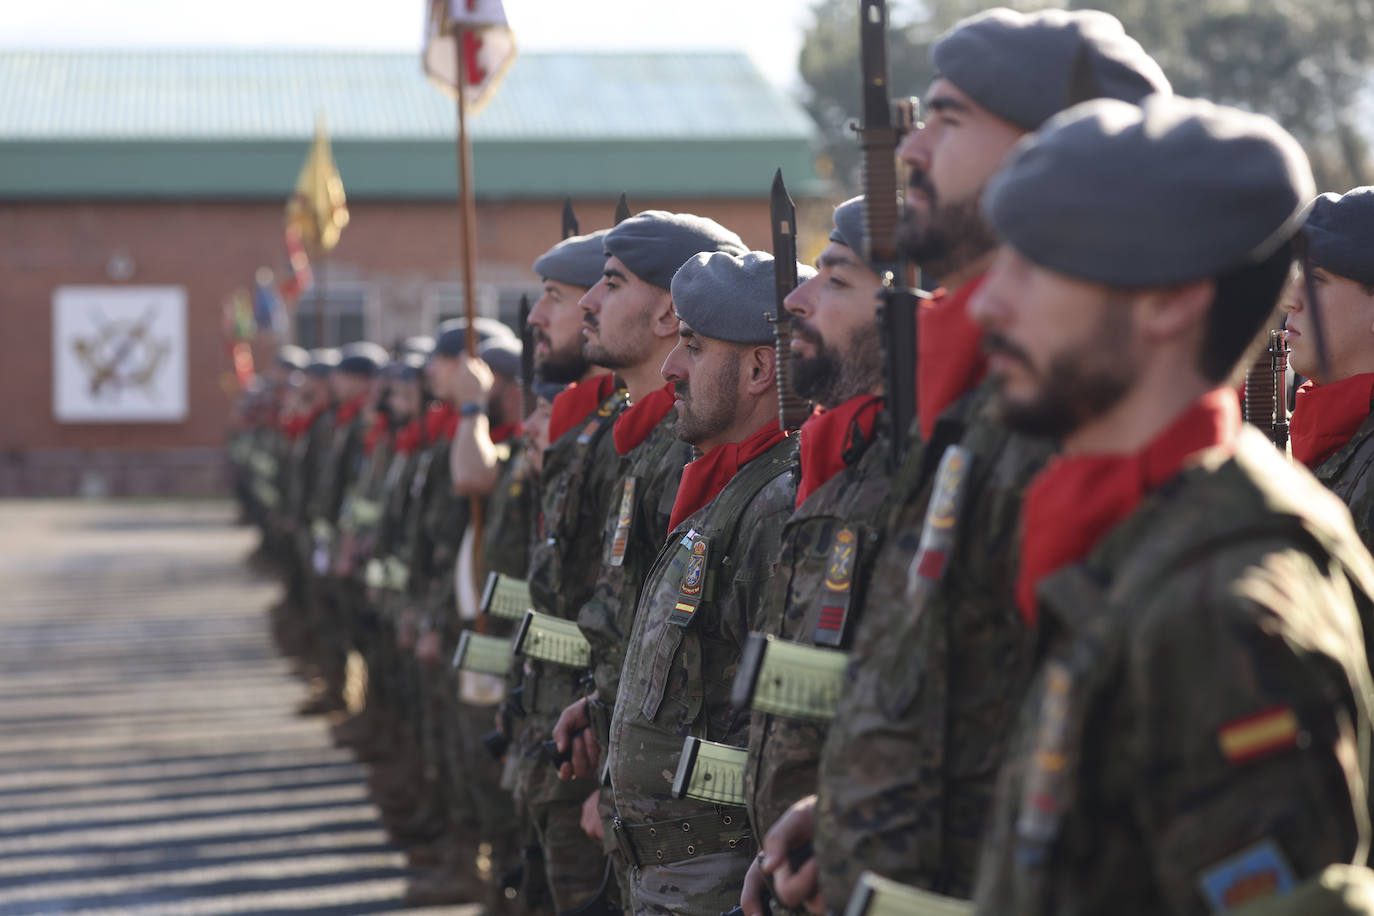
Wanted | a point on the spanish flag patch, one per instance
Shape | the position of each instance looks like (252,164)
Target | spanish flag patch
(1274,729)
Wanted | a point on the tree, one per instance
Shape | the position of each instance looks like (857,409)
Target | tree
(1306,63)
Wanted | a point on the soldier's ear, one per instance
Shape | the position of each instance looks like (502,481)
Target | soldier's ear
(761,363)
(663,318)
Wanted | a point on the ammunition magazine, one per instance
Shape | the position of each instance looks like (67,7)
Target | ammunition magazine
(711,772)
(788,679)
(551,639)
(876,896)
(482,654)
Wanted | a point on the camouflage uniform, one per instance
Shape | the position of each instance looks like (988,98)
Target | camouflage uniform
(576,492)
(691,856)
(907,773)
(338,466)
(1211,647)
(1346,474)
(646,488)
(846,510)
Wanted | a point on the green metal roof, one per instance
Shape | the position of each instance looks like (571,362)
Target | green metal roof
(236,124)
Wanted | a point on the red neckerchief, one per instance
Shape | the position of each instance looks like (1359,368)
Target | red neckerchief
(703,479)
(1072,504)
(639,419)
(350,409)
(1327,416)
(295,426)
(408,438)
(829,439)
(949,354)
(380,427)
(504,431)
(440,422)
(576,402)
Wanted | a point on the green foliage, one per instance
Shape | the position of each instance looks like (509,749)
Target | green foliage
(1306,63)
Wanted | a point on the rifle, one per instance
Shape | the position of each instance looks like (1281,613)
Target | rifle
(622,209)
(879,136)
(792,410)
(1266,390)
(569,219)
(527,399)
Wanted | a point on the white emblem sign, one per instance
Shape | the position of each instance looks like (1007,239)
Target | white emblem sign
(119,354)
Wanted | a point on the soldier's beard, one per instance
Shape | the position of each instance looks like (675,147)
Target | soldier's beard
(1077,386)
(953,235)
(710,410)
(833,376)
(564,365)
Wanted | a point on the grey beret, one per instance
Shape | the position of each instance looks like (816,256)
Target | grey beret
(547,390)
(655,243)
(420,343)
(503,355)
(1139,197)
(290,356)
(363,358)
(725,297)
(1340,234)
(849,228)
(410,367)
(452,336)
(576,261)
(1027,67)
(323,361)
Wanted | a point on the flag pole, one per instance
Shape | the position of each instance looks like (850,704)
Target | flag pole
(476,507)
(469,199)
(321,301)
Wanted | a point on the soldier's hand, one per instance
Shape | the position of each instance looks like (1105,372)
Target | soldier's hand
(591,816)
(753,897)
(586,752)
(800,886)
(472,380)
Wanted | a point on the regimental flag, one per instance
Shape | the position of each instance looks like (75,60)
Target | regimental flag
(300,279)
(479,27)
(317,211)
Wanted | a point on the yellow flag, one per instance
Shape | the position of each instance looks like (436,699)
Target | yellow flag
(317,209)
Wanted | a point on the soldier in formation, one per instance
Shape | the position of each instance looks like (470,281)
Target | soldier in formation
(1073,641)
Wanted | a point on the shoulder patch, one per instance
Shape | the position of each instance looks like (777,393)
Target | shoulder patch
(1258,735)
(1252,874)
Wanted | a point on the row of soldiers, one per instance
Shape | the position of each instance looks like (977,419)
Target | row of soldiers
(1073,641)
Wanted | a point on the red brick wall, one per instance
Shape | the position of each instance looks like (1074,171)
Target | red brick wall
(211,248)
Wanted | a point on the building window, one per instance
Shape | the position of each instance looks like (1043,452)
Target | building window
(345,315)
(442,301)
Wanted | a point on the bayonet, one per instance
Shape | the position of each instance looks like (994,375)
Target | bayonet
(569,219)
(527,399)
(792,410)
(622,209)
(1266,390)
(879,136)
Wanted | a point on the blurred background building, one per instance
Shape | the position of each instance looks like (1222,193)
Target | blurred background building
(160,176)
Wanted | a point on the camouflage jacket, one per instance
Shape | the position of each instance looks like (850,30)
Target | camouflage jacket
(907,772)
(632,536)
(511,509)
(302,469)
(845,513)
(361,512)
(1189,742)
(576,491)
(338,467)
(440,521)
(1346,473)
(679,669)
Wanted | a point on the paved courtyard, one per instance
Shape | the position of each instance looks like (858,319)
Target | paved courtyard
(150,760)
